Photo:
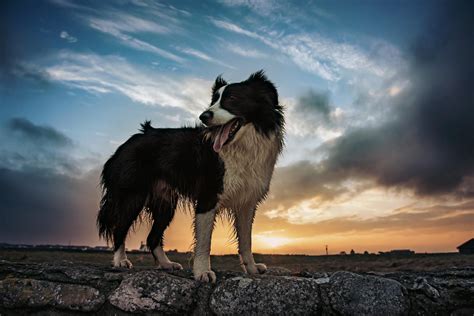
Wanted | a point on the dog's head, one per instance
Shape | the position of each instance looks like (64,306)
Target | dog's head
(253,101)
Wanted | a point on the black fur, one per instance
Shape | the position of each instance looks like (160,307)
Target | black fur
(181,158)
(255,100)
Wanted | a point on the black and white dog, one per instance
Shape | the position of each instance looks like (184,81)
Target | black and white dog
(224,166)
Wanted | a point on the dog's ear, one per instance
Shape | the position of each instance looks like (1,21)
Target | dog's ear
(258,76)
(219,83)
(266,88)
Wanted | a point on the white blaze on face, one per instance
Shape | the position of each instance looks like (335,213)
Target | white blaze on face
(221,116)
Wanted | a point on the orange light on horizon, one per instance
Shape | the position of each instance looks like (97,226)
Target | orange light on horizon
(272,241)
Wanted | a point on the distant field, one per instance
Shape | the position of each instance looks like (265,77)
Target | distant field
(296,263)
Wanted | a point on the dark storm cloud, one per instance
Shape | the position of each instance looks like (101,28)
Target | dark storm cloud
(29,72)
(40,206)
(306,180)
(315,101)
(428,144)
(38,134)
(46,196)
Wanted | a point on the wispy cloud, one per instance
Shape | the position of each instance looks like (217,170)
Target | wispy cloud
(323,56)
(106,74)
(127,23)
(201,55)
(263,7)
(68,37)
(122,25)
(234,28)
(124,22)
(245,52)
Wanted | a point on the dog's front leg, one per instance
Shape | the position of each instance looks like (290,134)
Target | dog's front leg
(203,226)
(243,225)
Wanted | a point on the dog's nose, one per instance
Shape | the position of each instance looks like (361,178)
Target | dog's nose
(206,116)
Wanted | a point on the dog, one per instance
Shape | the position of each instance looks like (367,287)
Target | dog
(222,166)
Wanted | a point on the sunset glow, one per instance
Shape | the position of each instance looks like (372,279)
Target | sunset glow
(377,97)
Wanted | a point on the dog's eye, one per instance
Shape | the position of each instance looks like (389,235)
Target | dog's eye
(232,98)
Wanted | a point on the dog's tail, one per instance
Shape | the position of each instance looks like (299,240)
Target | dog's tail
(105,220)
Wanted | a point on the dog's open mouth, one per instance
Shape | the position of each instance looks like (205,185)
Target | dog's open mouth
(226,133)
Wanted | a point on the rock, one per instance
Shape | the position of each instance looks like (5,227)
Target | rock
(17,293)
(279,271)
(265,295)
(423,285)
(59,288)
(354,294)
(155,291)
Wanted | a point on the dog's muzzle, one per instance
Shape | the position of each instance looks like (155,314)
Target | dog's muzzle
(206,116)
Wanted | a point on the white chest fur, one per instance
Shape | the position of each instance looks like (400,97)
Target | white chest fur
(249,162)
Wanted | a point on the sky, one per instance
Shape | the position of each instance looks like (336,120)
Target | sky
(378,102)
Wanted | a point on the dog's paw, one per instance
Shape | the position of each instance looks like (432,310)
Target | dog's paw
(261,267)
(124,263)
(170,266)
(258,268)
(205,276)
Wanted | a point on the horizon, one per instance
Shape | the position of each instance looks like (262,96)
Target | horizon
(378,105)
(110,248)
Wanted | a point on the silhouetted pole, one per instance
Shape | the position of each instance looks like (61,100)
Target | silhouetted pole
(327,253)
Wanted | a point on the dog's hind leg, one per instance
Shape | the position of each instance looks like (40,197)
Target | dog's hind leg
(162,210)
(130,207)
(243,225)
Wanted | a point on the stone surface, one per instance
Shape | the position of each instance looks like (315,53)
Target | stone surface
(38,294)
(148,291)
(65,288)
(354,294)
(264,296)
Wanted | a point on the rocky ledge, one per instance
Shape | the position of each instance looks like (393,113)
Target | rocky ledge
(67,288)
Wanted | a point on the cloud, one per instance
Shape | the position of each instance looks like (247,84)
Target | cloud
(48,193)
(306,180)
(314,101)
(425,145)
(245,52)
(128,23)
(437,227)
(138,20)
(39,206)
(263,7)
(66,36)
(312,114)
(325,57)
(121,22)
(106,74)
(28,71)
(436,217)
(203,56)
(235,28)
(38,134)
(29,146)
(281,10)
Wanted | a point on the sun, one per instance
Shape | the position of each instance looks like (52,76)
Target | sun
(273,241)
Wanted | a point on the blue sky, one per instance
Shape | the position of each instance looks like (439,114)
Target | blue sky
(92,71)
(187,43)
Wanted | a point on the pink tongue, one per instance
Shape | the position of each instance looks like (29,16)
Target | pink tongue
(222,137)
